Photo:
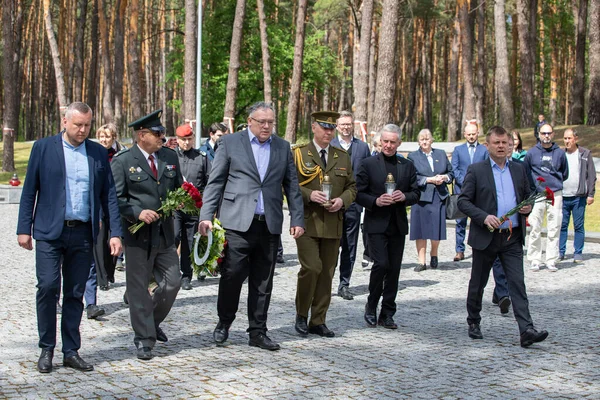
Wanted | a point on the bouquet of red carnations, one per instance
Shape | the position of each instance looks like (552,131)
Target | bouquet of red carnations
(545,195)
(187,199)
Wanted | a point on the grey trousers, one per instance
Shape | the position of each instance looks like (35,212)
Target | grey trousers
(147,310)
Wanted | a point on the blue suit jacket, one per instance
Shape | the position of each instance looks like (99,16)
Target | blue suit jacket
(441,166)
(461,161)
(44,198)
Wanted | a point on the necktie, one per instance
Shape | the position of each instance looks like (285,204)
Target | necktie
(471,152)
(152,166)
(324,158)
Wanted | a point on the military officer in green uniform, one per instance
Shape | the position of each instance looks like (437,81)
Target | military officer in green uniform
(144,175)
(318,162)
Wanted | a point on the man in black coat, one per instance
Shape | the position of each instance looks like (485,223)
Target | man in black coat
(385,221)
(491,188)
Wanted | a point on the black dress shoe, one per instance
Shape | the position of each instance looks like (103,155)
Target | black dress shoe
(93,311)
(45,361)
(531,336)
(475,332)
(434,262)
(186,284)
(263,341)
(104,288)
(420,267)
(321,330)
(301,326)
(370,316)
(494,300)
(145,353)
(221,333)
(280,260)
(387,322)
(125,298)
(160,335)
(78,363)
(504,304)
(345,294)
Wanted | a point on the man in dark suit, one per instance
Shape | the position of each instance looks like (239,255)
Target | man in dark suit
(65,225)
(491,188)
(463,156)
(385,221)
(358,151)
(246,178)
(144,176)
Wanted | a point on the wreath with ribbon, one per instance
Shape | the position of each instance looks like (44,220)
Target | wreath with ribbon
(209,251)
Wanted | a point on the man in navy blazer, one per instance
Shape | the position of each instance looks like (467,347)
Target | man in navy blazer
(68,184)
(358,151)
(491,188)
(463,156)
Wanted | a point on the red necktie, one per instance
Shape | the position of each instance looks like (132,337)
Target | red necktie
(152,166)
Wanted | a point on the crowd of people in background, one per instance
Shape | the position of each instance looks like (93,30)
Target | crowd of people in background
(242,175)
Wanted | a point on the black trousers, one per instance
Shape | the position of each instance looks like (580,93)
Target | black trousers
(386,251)
(349,243)
(510,252)
(251,255)
(185,228)
(105,262)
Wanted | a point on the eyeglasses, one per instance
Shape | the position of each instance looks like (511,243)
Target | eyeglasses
(154,133)
(263,121)
(546,133)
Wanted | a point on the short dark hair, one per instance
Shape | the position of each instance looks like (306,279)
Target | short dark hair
(217,126)
(495,130)
(345,114)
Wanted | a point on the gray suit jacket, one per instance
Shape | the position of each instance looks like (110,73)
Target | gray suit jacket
(234,185)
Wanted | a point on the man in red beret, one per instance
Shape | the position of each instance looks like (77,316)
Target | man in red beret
(195,167)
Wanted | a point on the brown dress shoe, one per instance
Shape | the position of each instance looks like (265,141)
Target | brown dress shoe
(459,256)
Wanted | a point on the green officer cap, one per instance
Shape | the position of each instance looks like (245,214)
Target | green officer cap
(150,121)
(327,119)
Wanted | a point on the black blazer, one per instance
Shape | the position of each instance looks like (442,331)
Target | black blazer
(478,199)
(370,184)
(441,166)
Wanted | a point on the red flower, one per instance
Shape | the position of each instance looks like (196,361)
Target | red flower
(199,203)
(540,179)
(549,195)
(219,260)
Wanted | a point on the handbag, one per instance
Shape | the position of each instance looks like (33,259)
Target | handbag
(452,211)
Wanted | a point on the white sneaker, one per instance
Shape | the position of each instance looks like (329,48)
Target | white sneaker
(552,268)
(534,267)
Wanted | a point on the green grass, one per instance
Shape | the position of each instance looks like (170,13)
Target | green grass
(22,151)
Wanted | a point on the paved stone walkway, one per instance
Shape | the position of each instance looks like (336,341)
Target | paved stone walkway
(429,356)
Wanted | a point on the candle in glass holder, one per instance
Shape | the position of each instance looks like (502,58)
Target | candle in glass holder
(326,187)
(390,184)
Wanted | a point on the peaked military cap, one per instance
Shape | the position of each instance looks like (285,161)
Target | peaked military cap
(327,119)
(150,121)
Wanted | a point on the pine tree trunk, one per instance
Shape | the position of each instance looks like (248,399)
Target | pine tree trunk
(92,74)
(266,55)
(593,117)
(79,51)
(362,82)
(466,41)
(191,50)
(453,92)
(526,59)
(12,21)
(506,113)
(108,112)
(386,68)
(234,60)
(372,75)
(133,67)
(119,60)
(58,70)
(481,86)
(578,93)
(296,85)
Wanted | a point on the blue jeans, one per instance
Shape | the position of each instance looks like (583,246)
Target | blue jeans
(461,227)
(576,207)
(71,252)
(501,288)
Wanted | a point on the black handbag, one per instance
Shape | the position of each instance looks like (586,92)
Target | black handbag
(452,211)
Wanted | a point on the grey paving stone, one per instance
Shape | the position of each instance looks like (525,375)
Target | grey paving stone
(429,356)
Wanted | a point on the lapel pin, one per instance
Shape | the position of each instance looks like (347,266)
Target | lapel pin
(132,170)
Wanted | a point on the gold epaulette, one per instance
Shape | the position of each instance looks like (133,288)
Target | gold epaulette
(309,173)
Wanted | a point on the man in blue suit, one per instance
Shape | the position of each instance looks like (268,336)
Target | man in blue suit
(68,184)
(463,156)
(358,151)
